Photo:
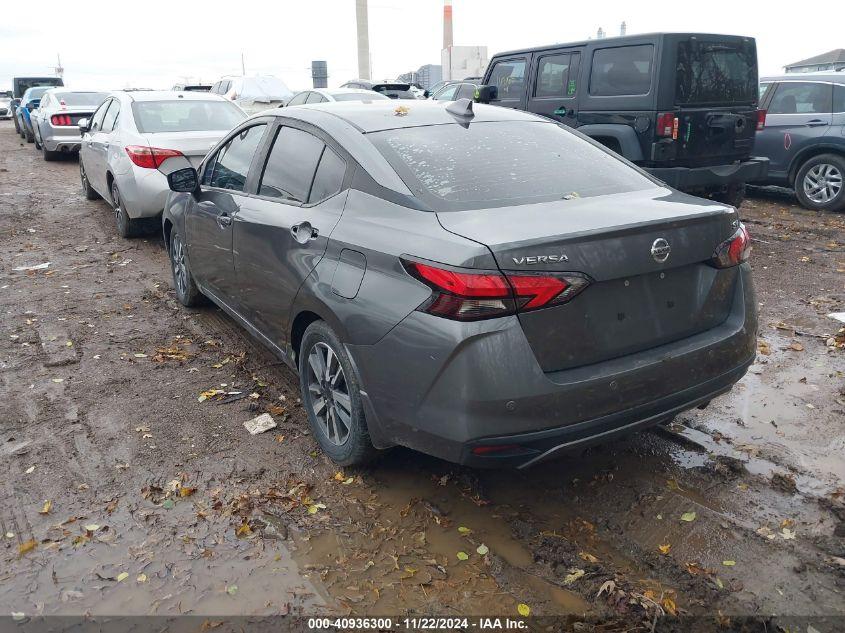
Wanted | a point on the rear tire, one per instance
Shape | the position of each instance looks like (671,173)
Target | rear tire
(48,155)
(87,189)
(183,280)
(331,396)
(126,226)
(820,183)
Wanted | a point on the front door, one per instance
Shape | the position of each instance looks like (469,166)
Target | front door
(799,114)
(554,85)
(282,233)
(510,77)
(211,215)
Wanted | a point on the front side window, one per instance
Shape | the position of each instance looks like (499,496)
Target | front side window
(623,70)
(553,76)
(97,119)
(798,97)
(111,116)
(230,167)
(509,78)
(291,164)
(448,93)
(503,163)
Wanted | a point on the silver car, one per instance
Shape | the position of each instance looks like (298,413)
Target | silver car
(323,95)
(55,123)
(132,133)
(5,105)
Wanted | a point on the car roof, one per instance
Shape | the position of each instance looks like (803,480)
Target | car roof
(829,75)
(168,95)
(380,115)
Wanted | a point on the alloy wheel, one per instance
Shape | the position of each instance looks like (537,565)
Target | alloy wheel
(180,268)
(329,393)
(822,183)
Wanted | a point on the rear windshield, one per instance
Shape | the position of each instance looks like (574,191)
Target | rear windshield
(359,96)
(81,98)
(716,73)
(492,164)
(186,116)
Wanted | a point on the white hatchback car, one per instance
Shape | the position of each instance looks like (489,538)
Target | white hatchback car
(133,132)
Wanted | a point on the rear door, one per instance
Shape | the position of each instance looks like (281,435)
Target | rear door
(715,84)
(282,232)
(211,214)
(799,114)
(510,76)
(553,86)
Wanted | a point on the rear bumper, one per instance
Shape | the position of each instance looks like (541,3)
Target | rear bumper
(65,139)
(144,191)
(460,386)
(713,177)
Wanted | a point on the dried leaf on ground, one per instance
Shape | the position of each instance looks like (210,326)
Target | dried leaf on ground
(688,516)
(664,549)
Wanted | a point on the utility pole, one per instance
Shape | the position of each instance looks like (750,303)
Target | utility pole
(243,67)
(59,70)
(362,20)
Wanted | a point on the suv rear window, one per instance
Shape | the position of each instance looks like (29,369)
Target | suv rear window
(186,115)
(492,164)
(623,70)
(715,73)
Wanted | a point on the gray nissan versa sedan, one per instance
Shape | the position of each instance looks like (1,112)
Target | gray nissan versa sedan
(473,282)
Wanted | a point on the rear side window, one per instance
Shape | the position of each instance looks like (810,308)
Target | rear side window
(715,72)
(111,116)
(290,166)
(838,98)
(315,97)
(329,177)
(624,70)
(502,163)
(553,77)
(509,77)
(231,166)
(800,97)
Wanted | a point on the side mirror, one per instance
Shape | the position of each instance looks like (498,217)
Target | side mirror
(486,94)
(32,105)
(84,126)
(183,180)
(426,94)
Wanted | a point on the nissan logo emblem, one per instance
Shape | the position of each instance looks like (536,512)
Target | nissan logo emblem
(660,250)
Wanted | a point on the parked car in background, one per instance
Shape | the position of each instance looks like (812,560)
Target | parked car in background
(434,277)
(6,104)
(192,87)
(804,137)
(29,102)
(132,133)
(323,95)
(684,106)
(437,86)
(20,86)
(388,89)
(454,91)
(253,93)
(55,124)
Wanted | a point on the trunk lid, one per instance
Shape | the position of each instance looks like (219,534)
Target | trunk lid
(194,145)
(634,302)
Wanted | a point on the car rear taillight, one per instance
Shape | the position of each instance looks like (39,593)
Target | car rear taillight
(734,250)
(761,119)
(468,295)
(150,157)
(667,125)
(61,119)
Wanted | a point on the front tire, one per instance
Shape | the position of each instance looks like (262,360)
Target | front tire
(126,226)
(820,183)
(87,189)
(28,135)
(183,280)
(331,395)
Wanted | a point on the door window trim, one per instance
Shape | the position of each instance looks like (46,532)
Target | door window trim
(211,159)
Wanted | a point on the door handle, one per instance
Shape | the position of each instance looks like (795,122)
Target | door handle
(304,232)
(224,220)
(816,123)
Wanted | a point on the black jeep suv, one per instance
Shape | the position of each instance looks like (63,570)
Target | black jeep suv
(681,105)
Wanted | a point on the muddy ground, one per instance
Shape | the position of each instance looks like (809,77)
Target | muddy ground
(122,492)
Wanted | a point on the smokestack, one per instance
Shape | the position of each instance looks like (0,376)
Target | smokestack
(600,34)
(623,29)
(363,39)
(447,24)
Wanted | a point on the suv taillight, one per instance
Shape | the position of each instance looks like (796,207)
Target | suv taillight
(667,125)
(465,295)
(734,250)
(761,119)
(150,157)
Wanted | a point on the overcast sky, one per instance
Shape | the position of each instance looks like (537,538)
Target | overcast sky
(155,44)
